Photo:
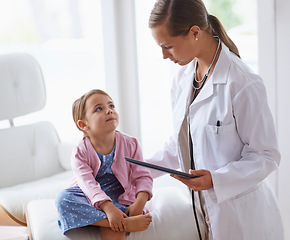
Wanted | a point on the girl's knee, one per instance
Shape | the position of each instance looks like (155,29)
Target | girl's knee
(61,197)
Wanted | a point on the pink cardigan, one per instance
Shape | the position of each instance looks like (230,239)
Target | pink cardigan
(133,178)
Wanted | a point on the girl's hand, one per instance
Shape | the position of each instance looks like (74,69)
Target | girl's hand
(137,207)
(115,216)
(202,182)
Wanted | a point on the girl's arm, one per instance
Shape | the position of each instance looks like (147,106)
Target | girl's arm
(139,176)
(137,207)
(84,174)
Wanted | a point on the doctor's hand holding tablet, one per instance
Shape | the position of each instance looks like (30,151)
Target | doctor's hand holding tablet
(203,181)
(202,178)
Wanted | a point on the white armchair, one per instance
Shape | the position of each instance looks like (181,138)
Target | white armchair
(35,165)
(30,166)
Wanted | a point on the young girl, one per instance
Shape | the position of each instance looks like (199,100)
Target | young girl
(106,191)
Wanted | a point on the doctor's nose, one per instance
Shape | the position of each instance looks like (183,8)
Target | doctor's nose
(166,53)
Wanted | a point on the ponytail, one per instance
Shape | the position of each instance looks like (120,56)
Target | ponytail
(217,29)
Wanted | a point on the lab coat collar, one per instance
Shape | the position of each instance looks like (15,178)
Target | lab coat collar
(219,76)
(221,67)
(221,70)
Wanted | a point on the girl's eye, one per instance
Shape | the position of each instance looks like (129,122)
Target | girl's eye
(112,106)
(98,109)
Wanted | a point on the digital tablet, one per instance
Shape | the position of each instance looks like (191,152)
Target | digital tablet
(159,168)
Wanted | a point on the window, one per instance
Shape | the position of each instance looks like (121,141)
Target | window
(65,36)
(240,20)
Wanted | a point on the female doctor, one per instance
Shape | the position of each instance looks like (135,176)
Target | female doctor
(223,106)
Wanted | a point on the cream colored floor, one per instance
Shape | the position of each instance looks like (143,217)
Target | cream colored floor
(13,233)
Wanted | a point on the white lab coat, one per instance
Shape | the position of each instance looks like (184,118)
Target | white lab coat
(240,154)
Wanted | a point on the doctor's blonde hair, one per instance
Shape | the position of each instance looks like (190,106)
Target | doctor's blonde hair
(79,106)
(180,15)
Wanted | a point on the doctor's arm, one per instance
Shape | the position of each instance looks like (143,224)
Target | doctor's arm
(166,157)
(259,155)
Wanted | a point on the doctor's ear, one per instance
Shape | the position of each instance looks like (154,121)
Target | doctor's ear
(82,125)
(195,30)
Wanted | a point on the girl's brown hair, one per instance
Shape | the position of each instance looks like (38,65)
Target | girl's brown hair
(79,106)
(180,15)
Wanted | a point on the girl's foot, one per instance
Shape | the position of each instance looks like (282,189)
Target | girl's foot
(138,223)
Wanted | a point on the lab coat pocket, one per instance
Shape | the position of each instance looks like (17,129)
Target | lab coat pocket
(224,143)
(222,129)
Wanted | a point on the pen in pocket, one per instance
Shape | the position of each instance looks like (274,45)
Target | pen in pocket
(218,124)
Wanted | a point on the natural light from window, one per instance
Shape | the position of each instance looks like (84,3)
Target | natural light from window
(65,36)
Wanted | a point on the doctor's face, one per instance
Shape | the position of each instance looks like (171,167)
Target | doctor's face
(179,49)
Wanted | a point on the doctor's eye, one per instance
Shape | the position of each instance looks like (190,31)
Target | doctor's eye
(167,47)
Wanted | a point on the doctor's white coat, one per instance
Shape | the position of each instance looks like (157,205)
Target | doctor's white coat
(240,153)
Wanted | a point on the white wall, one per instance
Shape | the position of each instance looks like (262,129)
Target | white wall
(274,65)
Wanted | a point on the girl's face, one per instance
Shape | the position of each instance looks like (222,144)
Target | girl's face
(101,116)
(179,49)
